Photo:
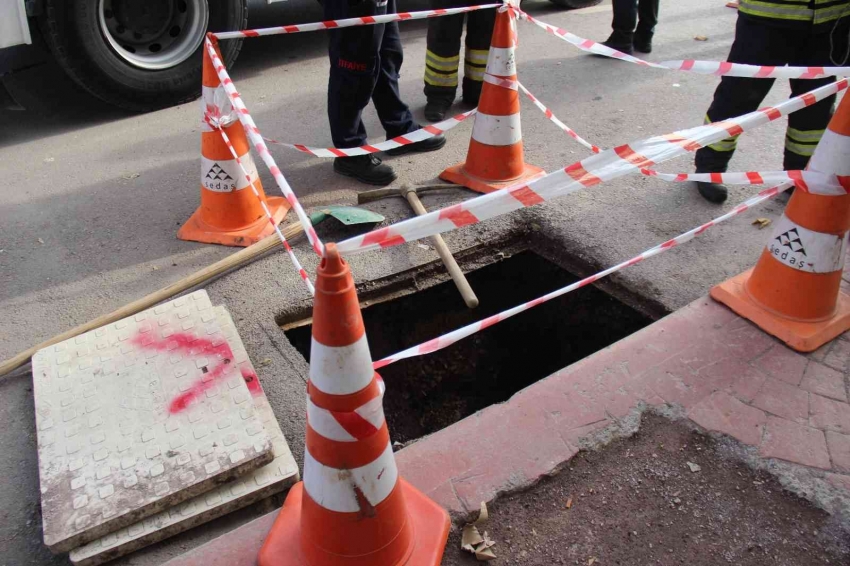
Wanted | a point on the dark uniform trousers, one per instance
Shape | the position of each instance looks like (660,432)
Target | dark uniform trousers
(442,57)
(758,43)
(635,18)
(365,63)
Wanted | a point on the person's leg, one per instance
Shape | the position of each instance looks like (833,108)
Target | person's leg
(353,75)
(754,44)
(623,25)
(392,111)
(806,126)
(442,59)
(353,71)
(647,20)
(479,34)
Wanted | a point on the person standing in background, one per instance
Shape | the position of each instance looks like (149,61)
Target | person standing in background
(634,25)
(442,58)
(776,33)
(365,63)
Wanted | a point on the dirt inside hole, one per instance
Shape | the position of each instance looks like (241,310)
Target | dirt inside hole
(637,502)
(428,393)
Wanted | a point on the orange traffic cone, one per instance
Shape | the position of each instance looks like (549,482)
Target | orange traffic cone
(230,212)
(794,290)
(352,509)
(494,159)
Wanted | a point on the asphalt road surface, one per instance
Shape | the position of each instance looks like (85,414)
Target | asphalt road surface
(92,197)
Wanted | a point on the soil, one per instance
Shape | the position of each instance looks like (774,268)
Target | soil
(637,502)
(428,393)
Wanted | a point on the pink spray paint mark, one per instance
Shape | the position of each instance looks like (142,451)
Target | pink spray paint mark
(194,346)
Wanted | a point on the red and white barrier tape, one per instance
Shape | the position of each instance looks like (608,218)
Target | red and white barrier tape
(554,119)
(832,185)
(406,139)
(718,68)
(257,139)
(286,246)
(349,22)
(450,338)
(593,170)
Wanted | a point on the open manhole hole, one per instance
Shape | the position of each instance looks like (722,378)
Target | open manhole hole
(428,393)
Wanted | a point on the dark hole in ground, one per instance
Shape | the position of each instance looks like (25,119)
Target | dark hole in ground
(428,393)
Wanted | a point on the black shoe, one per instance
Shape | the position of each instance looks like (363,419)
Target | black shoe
(620,42)
(436,109)
(430,144)
(643,44)
(712,192)
(366,169)
(471,100)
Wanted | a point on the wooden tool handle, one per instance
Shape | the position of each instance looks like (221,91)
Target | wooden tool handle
(445,254)
(230,262)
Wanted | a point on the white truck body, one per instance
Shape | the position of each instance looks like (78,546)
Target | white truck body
(14,29)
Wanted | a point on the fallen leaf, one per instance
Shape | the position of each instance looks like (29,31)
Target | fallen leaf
(470,538)
(131,176)
(266,362)
(569,502)
(40,241)
(701,38)
(592,561)
(483,514)
(694,467)
(484,555)
(155,268)
(761,222)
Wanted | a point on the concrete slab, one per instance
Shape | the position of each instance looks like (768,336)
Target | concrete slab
(138,416)
(274,477)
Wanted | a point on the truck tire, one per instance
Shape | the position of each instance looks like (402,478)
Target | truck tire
(139,55)
(576,3)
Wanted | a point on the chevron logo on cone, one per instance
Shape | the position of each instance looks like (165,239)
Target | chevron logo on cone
(794,291)
(495,156)
(230,212)
(352,509)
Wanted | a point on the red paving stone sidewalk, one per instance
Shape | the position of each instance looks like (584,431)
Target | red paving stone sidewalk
(720,370)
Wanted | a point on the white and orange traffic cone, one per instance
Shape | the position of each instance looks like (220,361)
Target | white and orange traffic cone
(794,291)
(230,212)
(352,509)
(495,156)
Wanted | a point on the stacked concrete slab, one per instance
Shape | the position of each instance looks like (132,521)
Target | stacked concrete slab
(150,426)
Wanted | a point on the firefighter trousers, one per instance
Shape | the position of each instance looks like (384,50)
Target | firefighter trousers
(759,44)
(365,63)
(442,58)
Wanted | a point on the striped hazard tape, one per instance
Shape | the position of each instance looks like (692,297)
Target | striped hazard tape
(257,140)
(455,336)
(406,139)
(718,68)
(554,119)
(283,241)
(813,182)
(349,22)
(593,170)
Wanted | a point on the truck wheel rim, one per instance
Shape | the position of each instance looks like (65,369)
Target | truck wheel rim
(153,34)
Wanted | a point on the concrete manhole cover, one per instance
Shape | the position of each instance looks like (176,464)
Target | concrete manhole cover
(274,477)
(138,416)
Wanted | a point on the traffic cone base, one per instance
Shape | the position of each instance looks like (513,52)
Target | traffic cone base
(460,176)
(799,335)
(196,230)
(429,522)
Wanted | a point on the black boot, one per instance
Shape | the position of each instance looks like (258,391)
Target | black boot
(642,43)
(430,144)
(437,108)
(366,169)
(713,192)
(621,41)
